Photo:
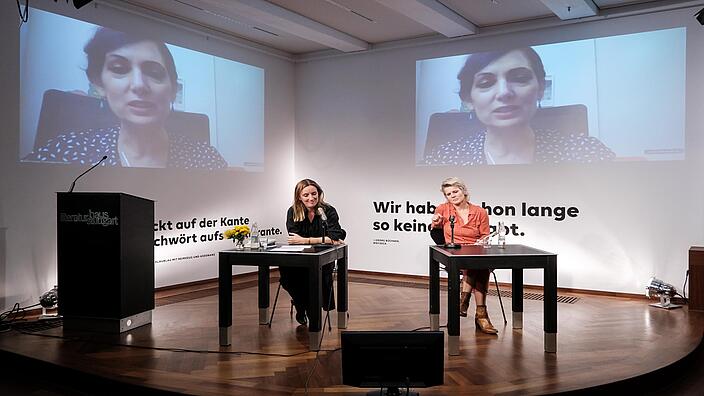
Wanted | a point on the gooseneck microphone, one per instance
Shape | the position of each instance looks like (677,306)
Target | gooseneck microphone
(89,169)
(452,244)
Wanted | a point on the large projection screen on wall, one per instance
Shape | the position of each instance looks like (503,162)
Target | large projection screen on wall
(617,98)
(79,104)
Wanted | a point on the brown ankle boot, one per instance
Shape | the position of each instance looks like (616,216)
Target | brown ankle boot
(481,320)
(464,303)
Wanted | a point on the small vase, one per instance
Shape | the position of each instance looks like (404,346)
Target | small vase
(239,244)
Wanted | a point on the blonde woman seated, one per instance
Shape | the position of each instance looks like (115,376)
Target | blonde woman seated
(305,227)
(471,223)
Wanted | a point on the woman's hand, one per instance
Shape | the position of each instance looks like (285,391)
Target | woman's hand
(340,242)
(436,221)
(295,239)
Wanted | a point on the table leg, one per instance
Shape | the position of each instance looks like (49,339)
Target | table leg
(550,304)
(315,297)
(453,310)
(342,293)
(263,287)
(517,297)
(434,293)
(224,300)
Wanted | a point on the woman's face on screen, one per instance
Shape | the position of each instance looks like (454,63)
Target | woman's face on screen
(454,195)
(309,197)
(137,85)
(505,92)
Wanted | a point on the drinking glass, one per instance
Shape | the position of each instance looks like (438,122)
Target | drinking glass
(263,242)
(486,242)
(502,234)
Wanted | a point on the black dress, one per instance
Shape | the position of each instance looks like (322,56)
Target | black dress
(295,280)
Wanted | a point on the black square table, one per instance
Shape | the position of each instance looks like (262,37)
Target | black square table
(313,258)
(515,257)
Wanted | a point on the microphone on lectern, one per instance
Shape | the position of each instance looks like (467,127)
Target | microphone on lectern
(89,169)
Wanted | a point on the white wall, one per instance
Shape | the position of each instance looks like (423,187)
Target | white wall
(355,135)
(354,122)
(27,190)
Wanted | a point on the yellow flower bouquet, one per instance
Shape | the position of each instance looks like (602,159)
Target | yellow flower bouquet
(238,234)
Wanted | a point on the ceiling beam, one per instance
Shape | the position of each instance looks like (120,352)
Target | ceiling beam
(433,15)
(572,9)
(278,18)
(159,16)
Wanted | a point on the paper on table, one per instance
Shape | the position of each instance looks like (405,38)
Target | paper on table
(290,248)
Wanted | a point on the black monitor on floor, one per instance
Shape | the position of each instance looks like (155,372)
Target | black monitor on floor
(393,359)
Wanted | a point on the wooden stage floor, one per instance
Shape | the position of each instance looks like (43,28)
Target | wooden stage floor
(601,340)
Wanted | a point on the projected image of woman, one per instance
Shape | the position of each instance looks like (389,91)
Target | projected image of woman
(137,79)
(471,223)
(305,227)
(503,90)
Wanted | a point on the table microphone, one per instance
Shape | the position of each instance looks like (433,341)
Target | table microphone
(322,214)
(452,244)
(89,169)
(324,218)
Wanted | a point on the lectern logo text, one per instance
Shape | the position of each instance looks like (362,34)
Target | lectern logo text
(91,218)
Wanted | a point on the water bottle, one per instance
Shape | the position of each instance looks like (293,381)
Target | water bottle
(502,235)
(254,237)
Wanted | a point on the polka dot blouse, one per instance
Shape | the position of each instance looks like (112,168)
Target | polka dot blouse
(550,147)
(89,146)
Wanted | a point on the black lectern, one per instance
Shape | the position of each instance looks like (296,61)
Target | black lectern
(105,261)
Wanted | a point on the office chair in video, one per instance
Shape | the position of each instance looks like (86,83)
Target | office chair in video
(448,127)
(63,111)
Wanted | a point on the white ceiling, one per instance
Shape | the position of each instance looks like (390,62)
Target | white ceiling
(301,27)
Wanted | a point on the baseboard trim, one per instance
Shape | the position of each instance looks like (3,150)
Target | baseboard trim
(165,295)
(250,278)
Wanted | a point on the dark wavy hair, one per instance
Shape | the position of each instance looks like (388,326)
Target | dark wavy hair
(105,40)
(478,61)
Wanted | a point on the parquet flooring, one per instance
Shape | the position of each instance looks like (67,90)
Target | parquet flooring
(600,340)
